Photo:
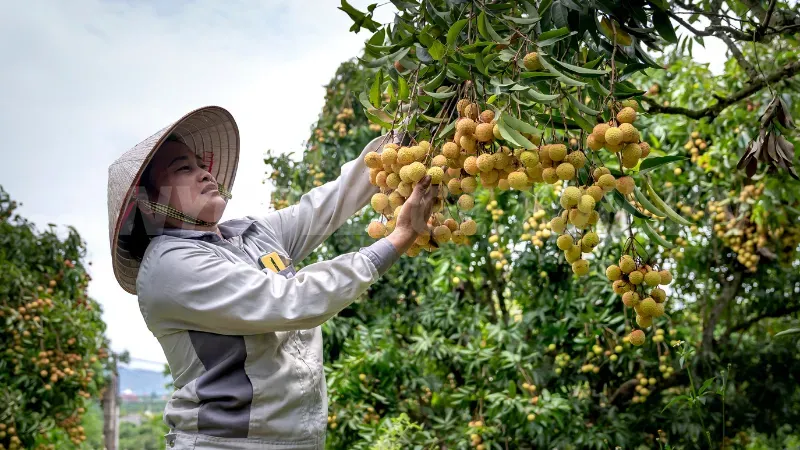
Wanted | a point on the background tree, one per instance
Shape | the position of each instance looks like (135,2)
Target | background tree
(496,344)
(54,352)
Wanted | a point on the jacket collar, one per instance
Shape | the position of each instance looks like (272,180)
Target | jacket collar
(229,229)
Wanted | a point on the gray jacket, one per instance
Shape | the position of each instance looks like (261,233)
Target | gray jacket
(240,327)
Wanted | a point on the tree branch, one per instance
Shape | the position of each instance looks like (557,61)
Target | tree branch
(712,111)
(737,54)
(780,312)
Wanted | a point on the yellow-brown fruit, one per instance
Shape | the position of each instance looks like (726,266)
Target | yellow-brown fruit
(629,133)
(636,337)
(625,185)
(579,219)
(518,180)
(461,105)
(439,161)
(626,115)
(441,234)
(558,152)
(613,272)
(417,171)
(643,321)
(596,192)
(659,295)
(549,175)
(580,267)
(468,143)
(572,254)
(586,204)
(630,155)
(380,179)
(636,277)
(599,172)
(572,196)
(614,136)
(469,184)
(485,162)
(531,61)
(405,189)
(645,149)
(631,103)
(590,240)
(453,172)
(620,287)
(487,116)
(393,180)
(405,156)
(483,132)
(648,307)
(373,160)
(501,160)
(373,174)
(594,143)
(599,132)
(389,156)
(436,174)
(458,238)
(627,264)
(594,217)
(544,156)
(666,277)
(659,310)
(577,159)
(376,230)
(607,182)
(450,150)
(630,299)
(529,159)
(471,111)
(451,223)
(496,132)
(423,238)
(395,199)
(471,165)
(535,173)
(565,171)
(466,126)
(489,177)
(379,202)
(613,148)
(503,185)
(564,242)
(469,227)
(652,278)
(466,202)
(454,186)
(558,224)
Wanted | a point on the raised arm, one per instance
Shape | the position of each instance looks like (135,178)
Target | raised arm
(185,286)
(322,210)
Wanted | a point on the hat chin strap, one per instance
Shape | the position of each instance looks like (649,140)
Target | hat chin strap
(173,213)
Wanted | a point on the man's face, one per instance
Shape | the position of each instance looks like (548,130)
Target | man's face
(183,182)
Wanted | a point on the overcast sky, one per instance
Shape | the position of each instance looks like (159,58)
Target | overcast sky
(83,81)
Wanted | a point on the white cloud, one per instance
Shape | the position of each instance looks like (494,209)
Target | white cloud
(83,81)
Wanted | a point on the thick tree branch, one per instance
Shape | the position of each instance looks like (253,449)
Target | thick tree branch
(712,111)
(744,326)
(729,291)
(737,54)
(770,24)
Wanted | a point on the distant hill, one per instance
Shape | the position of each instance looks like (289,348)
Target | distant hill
(143,382)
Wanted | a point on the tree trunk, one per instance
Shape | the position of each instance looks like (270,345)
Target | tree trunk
(111,412)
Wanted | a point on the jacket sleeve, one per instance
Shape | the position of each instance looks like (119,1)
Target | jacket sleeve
(304,226)
(186,286)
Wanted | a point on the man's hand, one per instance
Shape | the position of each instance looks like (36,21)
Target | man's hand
(413,218)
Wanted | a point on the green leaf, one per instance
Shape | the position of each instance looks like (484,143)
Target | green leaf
(437,50)
(459,70)
(455,31)
(522,20)
(375,119)
(788,332)
(539,97)
(491,99)
(582,107)
(476,47)
(544,5)
(599,88)
(590,73)
(441,95)
(647,204)
(519,125)
(436,81)
(621,201)
(664,27)
(653,234)
(375,92)
(402,88)
(360,19)
(482,26)
(546,40)
(653,163)
(561,77)
(538,75)
(662,205)
(432,119)
(513,136)
(580,120)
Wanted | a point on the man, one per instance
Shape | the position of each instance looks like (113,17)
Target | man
(240,327)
